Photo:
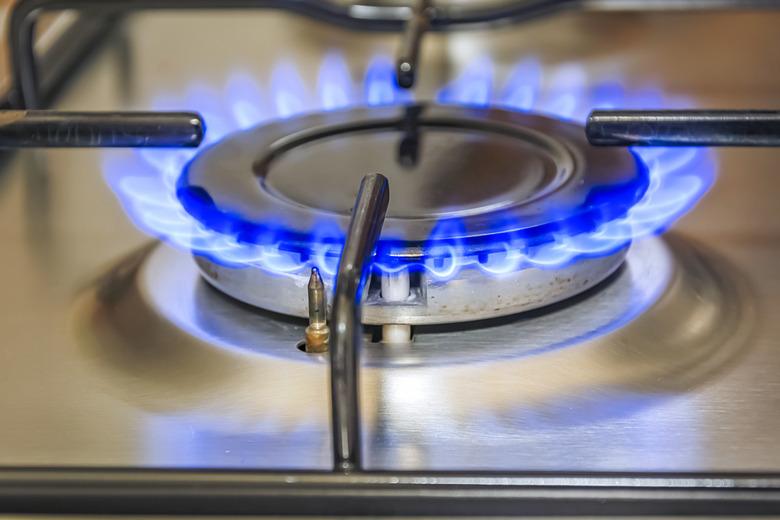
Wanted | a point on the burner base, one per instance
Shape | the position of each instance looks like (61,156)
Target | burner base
(472,295)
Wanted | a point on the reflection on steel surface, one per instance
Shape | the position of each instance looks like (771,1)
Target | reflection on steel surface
(670,320)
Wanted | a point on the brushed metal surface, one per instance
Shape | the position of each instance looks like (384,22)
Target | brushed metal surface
(652,395)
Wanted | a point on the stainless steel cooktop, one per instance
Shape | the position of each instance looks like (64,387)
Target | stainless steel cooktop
(107,363)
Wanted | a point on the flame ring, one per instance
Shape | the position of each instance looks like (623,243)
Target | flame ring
(228,187)
(146,183)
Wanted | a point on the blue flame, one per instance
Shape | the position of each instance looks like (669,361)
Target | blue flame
(288,91)
(146,182)
(522,86)
(334,84)
(474,87)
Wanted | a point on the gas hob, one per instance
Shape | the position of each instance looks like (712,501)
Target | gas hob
(615,369)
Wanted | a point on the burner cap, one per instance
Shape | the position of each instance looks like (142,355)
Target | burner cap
(478,174)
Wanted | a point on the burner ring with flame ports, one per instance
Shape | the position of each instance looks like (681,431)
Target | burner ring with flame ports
(483,206)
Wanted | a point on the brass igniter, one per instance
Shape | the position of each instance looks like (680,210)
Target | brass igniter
(317,333)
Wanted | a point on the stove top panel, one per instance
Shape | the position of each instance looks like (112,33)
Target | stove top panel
(96,371)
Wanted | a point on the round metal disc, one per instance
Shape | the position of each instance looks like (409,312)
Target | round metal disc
(491,172)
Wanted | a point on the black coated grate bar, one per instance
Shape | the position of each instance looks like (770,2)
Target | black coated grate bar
(684,128)
(53,129)
(368,216)
(418,23)
(158,492)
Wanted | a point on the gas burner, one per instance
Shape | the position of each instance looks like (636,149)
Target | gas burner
(471,187)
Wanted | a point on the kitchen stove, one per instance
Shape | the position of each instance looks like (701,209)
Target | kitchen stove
(529,311)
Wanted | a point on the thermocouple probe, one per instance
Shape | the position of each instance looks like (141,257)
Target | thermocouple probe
(54,129)
(683,128)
